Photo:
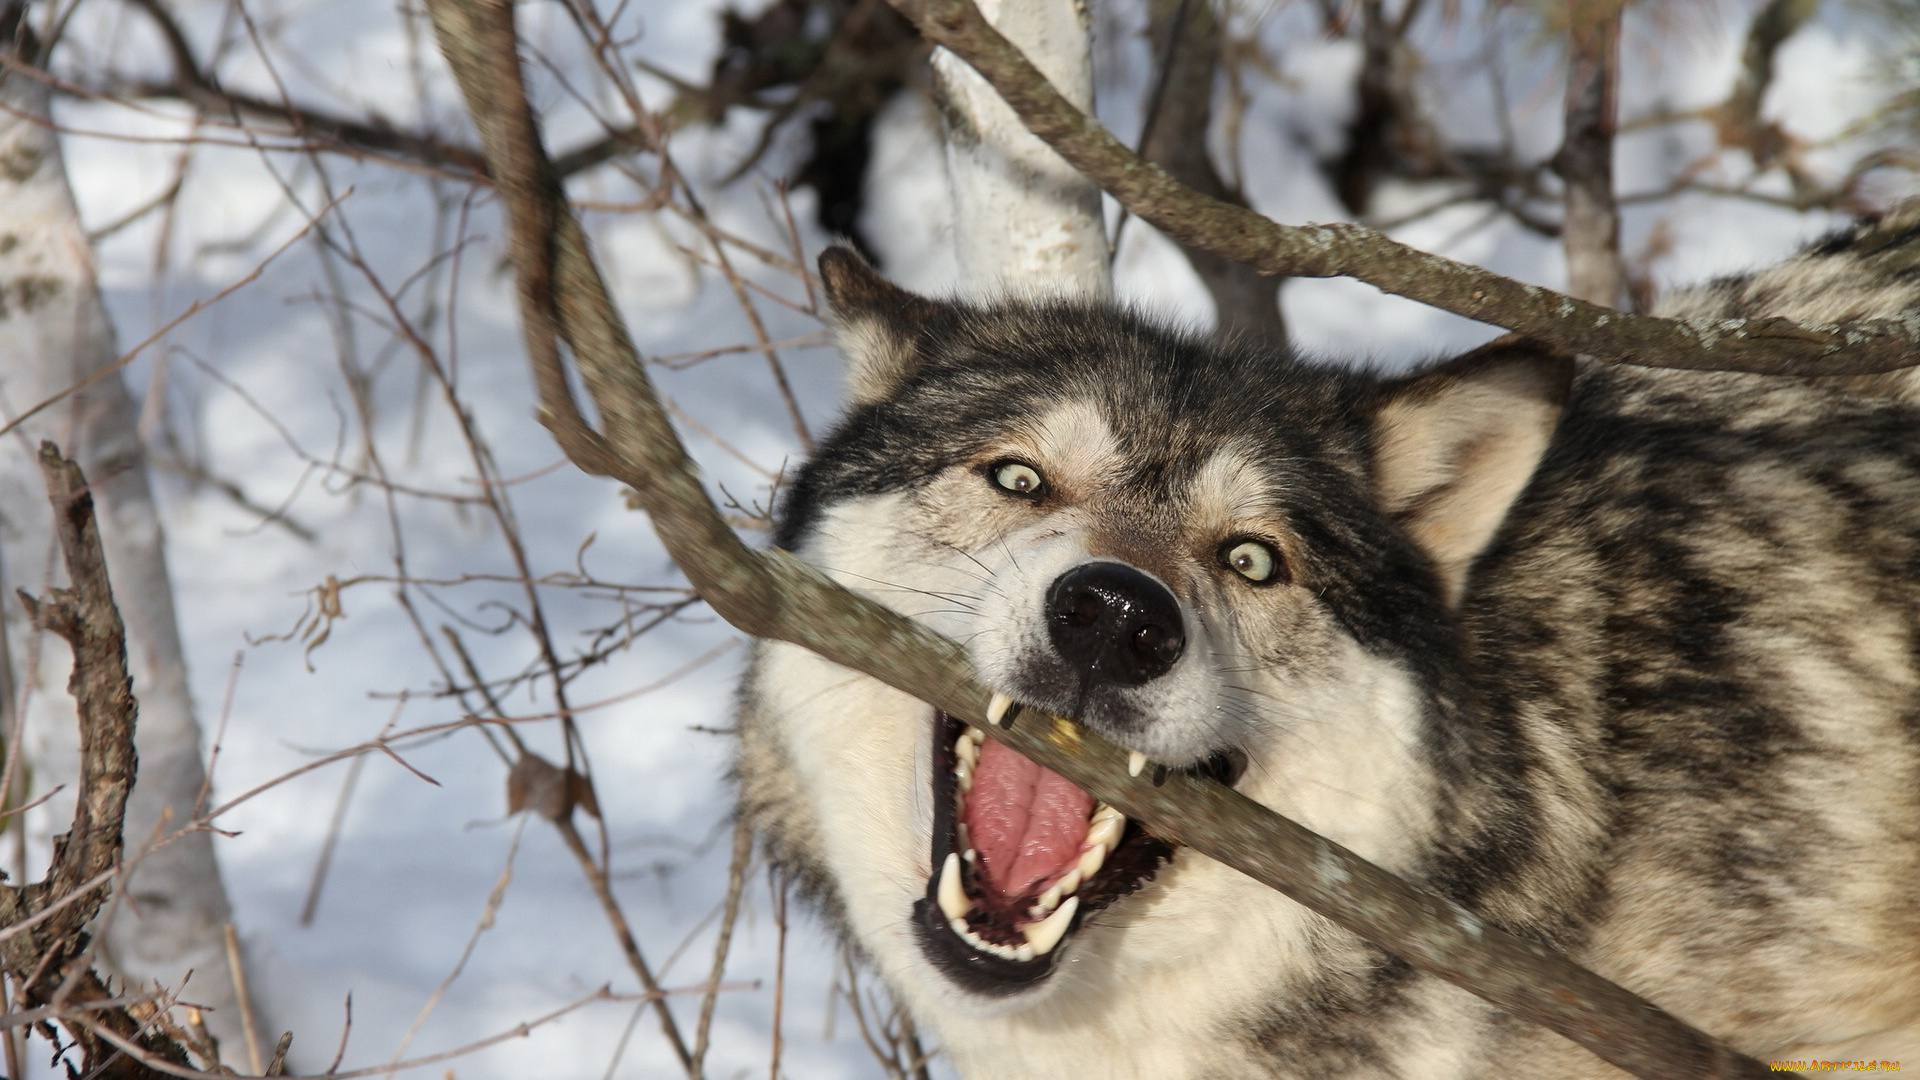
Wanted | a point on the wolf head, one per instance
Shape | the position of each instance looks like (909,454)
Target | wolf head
(1214,554)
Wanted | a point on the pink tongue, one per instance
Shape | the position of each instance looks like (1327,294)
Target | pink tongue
(1025,822)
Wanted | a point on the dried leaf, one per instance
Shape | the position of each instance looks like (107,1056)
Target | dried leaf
(538,785)
(580,788)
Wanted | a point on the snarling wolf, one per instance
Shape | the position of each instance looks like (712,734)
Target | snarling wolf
(1626,660)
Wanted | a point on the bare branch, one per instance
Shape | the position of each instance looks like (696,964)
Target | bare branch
(44,922)
(1244,299)
(85,616)
(1591,233)
(774,595)
(1738,118)
(1762,346)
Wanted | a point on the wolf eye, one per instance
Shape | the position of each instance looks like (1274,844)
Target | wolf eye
(1252,560)
(1018,478)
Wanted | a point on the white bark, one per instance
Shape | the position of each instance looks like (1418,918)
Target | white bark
(53,333)
(1024,220)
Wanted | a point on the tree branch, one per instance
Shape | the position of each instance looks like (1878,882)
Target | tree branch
(1770,346)
(772,594)
(1591,234)
(1737,120)
(1245,300)
(47,919)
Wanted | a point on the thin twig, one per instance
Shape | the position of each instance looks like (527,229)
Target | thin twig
(629,945)
(778,884)
(244,995)
(730,915)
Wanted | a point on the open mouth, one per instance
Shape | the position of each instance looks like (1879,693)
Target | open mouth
(1021,858)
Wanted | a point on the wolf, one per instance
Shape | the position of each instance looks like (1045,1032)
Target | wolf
(1625,660)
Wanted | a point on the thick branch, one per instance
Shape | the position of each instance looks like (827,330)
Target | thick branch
(84,614)
(1764,346)
(39,956)
(1187,34)
(1591,234)
(772,594)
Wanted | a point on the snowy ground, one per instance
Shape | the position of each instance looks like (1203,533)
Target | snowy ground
(255,386)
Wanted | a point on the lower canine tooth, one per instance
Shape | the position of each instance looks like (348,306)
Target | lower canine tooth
(953,896)
(1045,934)
(1136,761)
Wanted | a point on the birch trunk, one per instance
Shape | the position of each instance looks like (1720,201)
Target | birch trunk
(1024,220)
(53,334)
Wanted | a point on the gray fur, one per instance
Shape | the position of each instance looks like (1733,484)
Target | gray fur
(1662,710)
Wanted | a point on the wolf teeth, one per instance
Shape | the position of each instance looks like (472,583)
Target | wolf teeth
(1091,860)
(953,895)
(1136,761)
(967,747)
(1041,937)
(1004,952)
(1070,884)
(1106,827)
(1001,706)
(1045,934)
(1050,899)
(1103,835)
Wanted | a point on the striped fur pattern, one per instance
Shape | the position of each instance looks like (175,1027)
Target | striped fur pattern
(1625,660)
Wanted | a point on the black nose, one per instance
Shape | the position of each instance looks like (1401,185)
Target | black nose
(1115,622)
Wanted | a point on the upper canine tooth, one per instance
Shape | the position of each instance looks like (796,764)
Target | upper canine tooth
(1136,761)
(1045,934)
(953,896)
(997,707)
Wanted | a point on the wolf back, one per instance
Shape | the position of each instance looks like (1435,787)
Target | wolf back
(1622,659)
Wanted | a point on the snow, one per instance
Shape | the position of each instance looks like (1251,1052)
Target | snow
(258,387)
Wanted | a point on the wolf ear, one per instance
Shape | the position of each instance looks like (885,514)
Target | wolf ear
(1455,445)
(877,324)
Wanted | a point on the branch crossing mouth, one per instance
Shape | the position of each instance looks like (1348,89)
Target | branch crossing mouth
(1021,858)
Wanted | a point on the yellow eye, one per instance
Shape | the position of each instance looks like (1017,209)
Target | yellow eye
(1018,478)
(1252,560)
